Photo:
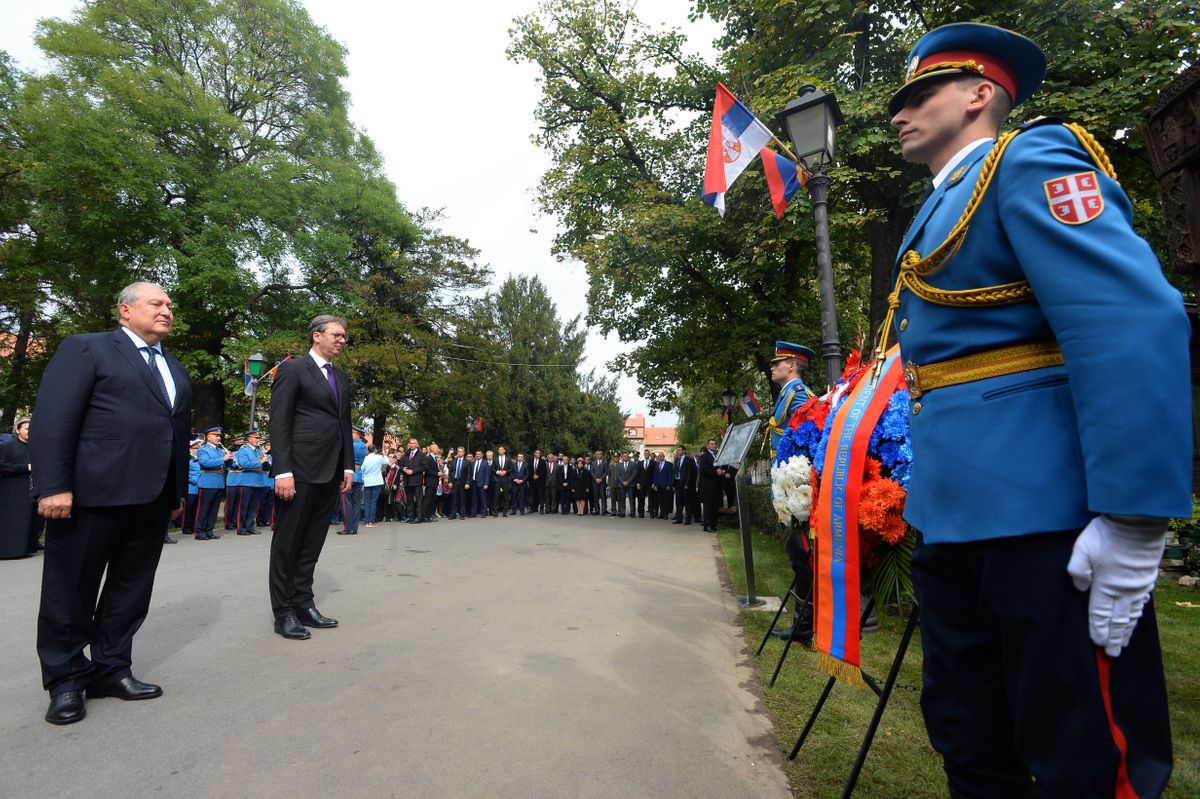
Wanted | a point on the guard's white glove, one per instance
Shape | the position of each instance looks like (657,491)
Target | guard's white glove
(1118,559)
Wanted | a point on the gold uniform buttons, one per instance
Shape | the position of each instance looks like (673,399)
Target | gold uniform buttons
(903,325)
(916,408)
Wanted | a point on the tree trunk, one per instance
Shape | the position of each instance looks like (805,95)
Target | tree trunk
(380,429)
(16,375)
(208,404)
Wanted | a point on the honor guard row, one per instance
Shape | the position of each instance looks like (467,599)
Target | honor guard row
(240,478)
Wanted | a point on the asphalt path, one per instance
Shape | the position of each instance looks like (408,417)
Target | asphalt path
(524,657)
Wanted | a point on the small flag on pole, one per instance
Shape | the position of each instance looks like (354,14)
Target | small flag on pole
(784,178)
(734,139)
(248,388)
(479,425)
(749,403)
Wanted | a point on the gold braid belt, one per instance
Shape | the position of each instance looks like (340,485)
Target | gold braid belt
(914,269)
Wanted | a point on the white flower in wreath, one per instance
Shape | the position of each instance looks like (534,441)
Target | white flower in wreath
(791,493)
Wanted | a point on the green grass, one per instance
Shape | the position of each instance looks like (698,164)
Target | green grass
(901,761)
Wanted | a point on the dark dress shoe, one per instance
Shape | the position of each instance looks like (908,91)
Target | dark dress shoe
(168,540)
(127,688)
(311,617)
(214,537)
(66,708)
(290,627)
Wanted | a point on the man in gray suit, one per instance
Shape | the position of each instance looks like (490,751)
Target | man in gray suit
(627,473)
(598,469)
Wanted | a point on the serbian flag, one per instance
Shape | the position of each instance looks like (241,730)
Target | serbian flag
(246,376)
(733,142)
(749,403)
(271,374)
(784,178)
(479,425)
(837,577)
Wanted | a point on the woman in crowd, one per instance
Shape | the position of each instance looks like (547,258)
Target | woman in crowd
(581,482)
(18,533)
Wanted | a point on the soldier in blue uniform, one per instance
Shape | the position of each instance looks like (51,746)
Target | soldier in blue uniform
(192,508)
(352,500)
(250,459)
(235,481)
(787,366)
(266,504)
(212,459)
(1042,503)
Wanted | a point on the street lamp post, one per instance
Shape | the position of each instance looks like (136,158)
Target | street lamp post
(470,427)
(811,122)
(257,365)
(727,402)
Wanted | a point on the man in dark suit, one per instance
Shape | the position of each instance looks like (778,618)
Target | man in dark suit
(520,478)
(710,485)
(553,485)
(537,483)
(459,466)
(412,466)
(565,470)
(433,477)
(314,462)
(598,471)
(107,401)
(646,483)
(481,475)
(685,476)
(502,480)
(626,477)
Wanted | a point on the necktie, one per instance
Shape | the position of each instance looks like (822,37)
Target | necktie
(458,469)
(332,383)
(158,378)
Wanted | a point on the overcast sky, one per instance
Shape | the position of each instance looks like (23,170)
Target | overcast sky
(411,62)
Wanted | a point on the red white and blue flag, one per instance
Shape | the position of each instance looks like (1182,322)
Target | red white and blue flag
(749,403)
(784,178)
(734,141)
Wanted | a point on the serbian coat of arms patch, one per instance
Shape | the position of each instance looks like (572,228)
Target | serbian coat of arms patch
(1074,199)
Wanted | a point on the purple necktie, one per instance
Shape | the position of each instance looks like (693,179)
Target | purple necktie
(332,383)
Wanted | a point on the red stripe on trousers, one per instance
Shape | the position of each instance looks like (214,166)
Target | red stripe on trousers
(1124,788)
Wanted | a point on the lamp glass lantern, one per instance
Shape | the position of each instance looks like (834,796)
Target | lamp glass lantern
(257,364)
(811,121)
(470,423)
(728,399)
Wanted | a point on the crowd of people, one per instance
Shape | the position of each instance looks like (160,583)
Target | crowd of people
(421,484)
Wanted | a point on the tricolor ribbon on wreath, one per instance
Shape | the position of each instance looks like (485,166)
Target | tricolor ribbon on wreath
(837,587)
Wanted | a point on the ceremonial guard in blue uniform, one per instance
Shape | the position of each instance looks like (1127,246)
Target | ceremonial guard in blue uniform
(192,508)
(352,500)
(787,366)
(212,458)
(1021,292)
(250,459)
(266,504)
(235,481)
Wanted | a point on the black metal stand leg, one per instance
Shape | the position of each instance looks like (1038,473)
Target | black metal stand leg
(812,718)
(782,604)
(882,703)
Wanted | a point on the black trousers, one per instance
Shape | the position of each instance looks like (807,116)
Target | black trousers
(431,498)
(550,503)
(190,512)
(682,511)
(300,529)
(210,500)
(710,498)
(458,499)
(642,495)
(518,501)
(537,496)
(416,502)
(248,512)
(665,501)
(75,613)
(599,496)
(503,488)
(1014,687)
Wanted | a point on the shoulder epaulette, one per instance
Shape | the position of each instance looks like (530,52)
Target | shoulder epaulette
(1036,121)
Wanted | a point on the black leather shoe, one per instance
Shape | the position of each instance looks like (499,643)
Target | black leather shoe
(168,540)
(127,688)
(290,627)
(214,537)
(311,617)
(677,521)
(66,708)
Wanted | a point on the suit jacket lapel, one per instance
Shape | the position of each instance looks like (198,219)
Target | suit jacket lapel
(130,353)
(935,199)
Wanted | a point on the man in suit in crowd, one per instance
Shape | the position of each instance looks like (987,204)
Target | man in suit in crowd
(614,482)
(553,485)
(598,470)
(433,478)
(412,466)
(481,475)
(314,464)
(663,480)
(109,401)
(491,488)
(627,474)
(502,479)
(685,476)
(710,485)
(647,483)
(564,483)
(459,471)
(537,483)
(520,478)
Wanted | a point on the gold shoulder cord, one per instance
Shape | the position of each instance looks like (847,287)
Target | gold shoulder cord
(914,268)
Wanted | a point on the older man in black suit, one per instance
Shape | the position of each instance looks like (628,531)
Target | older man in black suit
(314,461)
(107,401)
